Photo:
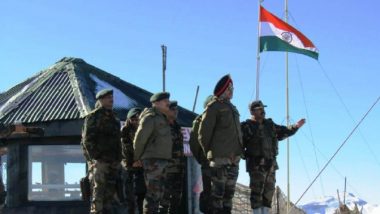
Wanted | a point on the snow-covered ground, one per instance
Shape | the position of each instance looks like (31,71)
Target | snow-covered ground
(328,205)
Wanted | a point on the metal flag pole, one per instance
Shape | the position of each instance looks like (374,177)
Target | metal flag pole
(164,48)
(258,54)
(287,115)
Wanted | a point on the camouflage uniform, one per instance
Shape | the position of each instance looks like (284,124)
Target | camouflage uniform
(153,146)
(261,147)
(101,144)
(175,174)
(220,138)
(133,177)
(199,155)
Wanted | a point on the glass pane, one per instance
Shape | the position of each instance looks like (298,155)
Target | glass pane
(54,172)
(4,170)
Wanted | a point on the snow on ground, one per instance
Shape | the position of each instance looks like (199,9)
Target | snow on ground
(120,99)
(328,205)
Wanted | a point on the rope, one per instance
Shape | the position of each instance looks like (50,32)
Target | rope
(340,147)
(309,124)
(304,166)
(350,115)
(334,167)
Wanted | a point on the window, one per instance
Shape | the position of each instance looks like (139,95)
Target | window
(54,172)
(3,170)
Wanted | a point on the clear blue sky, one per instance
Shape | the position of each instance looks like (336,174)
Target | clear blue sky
(207,39)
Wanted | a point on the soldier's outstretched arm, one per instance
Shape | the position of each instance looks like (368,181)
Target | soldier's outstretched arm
(206,129)
(283,131)
(143,133)
(89,136)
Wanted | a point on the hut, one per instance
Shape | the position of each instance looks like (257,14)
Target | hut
(43,173)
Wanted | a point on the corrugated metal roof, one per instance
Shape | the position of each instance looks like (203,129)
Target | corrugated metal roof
(66,91)
(53,100)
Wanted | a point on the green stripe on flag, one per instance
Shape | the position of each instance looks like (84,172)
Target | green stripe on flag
(273,43)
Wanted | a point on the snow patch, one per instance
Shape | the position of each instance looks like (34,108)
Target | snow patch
(120,99)
(328,205)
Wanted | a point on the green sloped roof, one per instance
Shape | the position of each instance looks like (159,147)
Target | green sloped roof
(66,91)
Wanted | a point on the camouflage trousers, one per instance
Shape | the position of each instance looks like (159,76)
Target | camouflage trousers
(155,176)
(262,185)
(175,172)
(223,182)
(204,199)
(104,195)
(134,189)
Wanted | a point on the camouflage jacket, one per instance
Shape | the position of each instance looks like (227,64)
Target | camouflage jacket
(101,136)
(177,139)
(219,131)
(127,136)
(261,140)
(153,137)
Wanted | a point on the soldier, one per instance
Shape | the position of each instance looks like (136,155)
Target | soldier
(176,167)
(220,138)
(133,173)
(153,146)
(199,155)
(101,144)
(260,138)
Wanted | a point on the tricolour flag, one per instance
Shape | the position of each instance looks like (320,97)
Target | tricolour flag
(277,35)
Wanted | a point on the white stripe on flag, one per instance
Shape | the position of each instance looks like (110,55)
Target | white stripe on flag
(268,29)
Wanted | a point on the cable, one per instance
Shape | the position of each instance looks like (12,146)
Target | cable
(340,147)
(309,124)
(304,166)
(350,115)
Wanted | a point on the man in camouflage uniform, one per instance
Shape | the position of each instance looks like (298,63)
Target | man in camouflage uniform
(133,173)
(220,138)
(260,138)
(153,146)
(102,149)
(199,155)
(176,167)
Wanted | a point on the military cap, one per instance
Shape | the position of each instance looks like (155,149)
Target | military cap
(222,85)
(133,111)
(159,96)
(207,100)
(256,104)
(173,104)
(103,93)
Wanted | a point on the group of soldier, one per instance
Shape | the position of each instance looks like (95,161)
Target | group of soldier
(141,163)
(147,157)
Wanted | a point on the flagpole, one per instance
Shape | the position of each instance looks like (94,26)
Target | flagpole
(287,116)
(258,54)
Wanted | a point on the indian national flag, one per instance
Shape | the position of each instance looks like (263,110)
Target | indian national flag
(277,35)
